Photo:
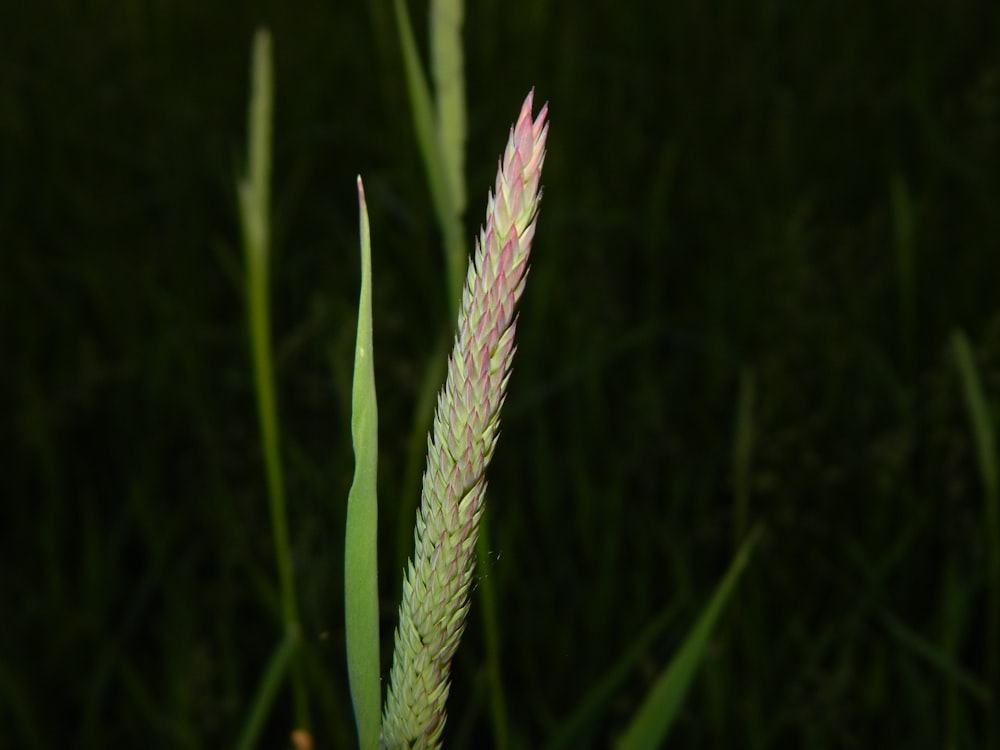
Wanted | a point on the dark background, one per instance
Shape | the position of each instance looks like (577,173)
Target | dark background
(729,191)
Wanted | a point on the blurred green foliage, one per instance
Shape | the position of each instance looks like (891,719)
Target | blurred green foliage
(802,191)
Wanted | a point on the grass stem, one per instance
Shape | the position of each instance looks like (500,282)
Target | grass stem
(254,196)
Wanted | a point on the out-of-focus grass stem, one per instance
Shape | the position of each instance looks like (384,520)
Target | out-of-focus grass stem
(981,423)
(254,201)
(447,192)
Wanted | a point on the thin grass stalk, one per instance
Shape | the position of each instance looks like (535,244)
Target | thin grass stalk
(267,691)
(429,138)
(254,199)
(466,426)
(491,639)
(448,72)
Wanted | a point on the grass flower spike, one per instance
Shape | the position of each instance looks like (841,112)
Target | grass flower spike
(466,425)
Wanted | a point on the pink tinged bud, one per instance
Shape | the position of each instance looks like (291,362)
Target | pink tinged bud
(466,426)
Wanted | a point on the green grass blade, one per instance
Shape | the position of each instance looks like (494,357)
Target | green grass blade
(979,413)
(575,728)
(270,683)
(651,723)
(982,431)
(361,541)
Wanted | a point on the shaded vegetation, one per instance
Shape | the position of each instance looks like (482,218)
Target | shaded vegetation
(799,193)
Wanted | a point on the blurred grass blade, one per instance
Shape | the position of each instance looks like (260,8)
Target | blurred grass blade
(948,667)
(979,413)
(491,638)
(429,137)
(743,444)
(651,724)
(361,541)
(982,431)
(576,728)
(267,690)
(254,200)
